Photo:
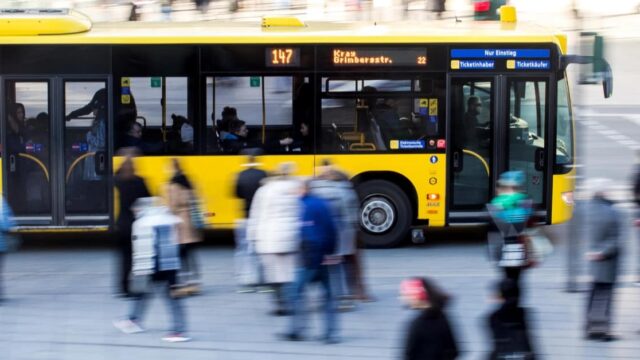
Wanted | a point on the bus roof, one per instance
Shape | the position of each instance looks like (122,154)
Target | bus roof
(246,32)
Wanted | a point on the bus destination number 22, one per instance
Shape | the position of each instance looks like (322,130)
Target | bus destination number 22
(285,57)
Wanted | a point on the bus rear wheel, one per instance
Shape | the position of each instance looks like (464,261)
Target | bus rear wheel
(385,214)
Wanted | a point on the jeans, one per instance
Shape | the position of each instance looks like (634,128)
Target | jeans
(599,307)
(304,277)
(174,304)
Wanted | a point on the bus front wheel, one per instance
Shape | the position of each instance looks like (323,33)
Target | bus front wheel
(385,214)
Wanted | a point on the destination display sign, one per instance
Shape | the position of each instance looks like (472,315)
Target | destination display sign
(387,57)
(500,53)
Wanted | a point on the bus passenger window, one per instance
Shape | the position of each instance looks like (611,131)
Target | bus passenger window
(379,115)
(258,112)
(164,124)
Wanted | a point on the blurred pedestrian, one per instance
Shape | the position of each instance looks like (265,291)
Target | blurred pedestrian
(130,188)
(183,203)
(429,335)
(6,225)
(319,237)
(604,230)
(344,205)
(510,211)
(508,325)
(246,263)
(274,226)
(156,261)
(636,198)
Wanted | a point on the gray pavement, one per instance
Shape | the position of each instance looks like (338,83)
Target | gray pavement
(60,307)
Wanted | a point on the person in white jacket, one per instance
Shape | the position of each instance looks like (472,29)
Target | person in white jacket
(274,229)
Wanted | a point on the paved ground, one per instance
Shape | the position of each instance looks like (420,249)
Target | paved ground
(60,307)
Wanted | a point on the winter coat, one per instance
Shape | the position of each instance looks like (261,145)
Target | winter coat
(247,184)
(636,186)
(129,191)
(274,217)
(605,233)
(430,337)
(318,231)
(180,200)
(6,223)
(510,333)
(345,207)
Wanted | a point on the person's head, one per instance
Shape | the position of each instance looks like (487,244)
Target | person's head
(19,113)
(238,127)
(600,188)
(229,113)
(304,129)
(135,130)
(506,290)
(474,105)
(127,168)
(286,169)
(510,181)
(99,101)
(421,293)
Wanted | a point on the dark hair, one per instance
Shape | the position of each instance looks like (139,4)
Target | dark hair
(229,113)
(15,107)
(438,298)
(236,125)
(472,100)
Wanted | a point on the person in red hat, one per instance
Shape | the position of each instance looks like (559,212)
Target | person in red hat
(429,335)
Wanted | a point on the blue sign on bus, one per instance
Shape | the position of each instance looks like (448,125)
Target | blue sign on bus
(500,53)
(532,64)
(476,64)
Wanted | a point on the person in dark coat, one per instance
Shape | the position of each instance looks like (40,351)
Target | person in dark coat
(245,258)
(429,336)
(604,258)
(508,325)
(130,188)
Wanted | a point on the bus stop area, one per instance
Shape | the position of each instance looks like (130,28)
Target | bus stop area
(60,305)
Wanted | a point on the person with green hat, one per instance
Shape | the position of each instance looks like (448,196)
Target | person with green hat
(510,211)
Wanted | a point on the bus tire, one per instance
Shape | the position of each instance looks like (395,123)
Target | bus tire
(385,214)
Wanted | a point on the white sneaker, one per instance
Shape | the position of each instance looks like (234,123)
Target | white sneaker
(127,326)
(176,337)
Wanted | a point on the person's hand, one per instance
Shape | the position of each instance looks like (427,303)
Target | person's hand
(286,141)
(332,260)
(594,256)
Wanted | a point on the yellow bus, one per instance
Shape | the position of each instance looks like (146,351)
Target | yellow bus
(422,116)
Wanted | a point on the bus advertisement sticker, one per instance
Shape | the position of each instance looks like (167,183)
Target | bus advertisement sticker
(125,82)
(433,159)
(125,99)
(424,103)
(156,82)
(125,91)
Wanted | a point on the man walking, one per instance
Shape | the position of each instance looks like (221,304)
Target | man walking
(318,241)
(603,257)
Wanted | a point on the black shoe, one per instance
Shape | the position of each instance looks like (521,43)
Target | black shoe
(290,337)
(281,312)
(609,337)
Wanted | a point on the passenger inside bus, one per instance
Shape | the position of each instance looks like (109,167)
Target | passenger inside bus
(37,145)
(181,136)
(15,138)
(236,139)
(133,138)
(302,142)
(222,125)
(471,123)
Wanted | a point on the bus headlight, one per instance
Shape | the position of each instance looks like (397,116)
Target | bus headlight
(567,197)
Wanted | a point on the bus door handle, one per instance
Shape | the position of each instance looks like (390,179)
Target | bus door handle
(101,162)
(457,160)
(12,163)
(539,159)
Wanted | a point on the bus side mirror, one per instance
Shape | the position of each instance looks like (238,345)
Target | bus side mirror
(606,75)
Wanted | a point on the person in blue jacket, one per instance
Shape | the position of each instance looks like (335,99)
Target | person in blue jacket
(318,241)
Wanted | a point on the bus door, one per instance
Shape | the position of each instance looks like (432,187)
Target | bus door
(497,124)
(55,160)
(472,124)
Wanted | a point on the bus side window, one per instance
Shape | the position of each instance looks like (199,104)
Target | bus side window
(152,124)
